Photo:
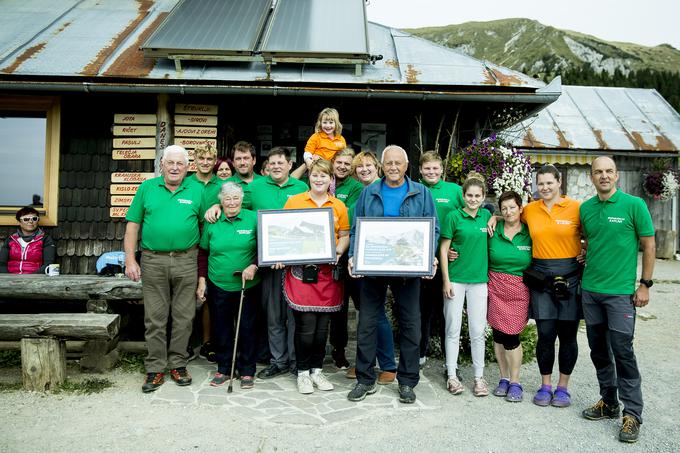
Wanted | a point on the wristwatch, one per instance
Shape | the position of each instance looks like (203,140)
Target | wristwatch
(647,283)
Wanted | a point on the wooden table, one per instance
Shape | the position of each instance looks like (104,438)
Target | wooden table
(96,291)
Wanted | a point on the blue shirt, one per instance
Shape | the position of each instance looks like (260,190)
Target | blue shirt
(392,197)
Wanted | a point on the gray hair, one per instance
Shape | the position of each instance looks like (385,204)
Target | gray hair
(230,188)
(176,149)
(391,147)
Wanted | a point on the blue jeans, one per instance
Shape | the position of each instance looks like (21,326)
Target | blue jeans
(385,347)
(223,316)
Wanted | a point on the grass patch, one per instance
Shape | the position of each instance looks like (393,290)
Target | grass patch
(131,362)
(10,359)
(86,386)
(10,386)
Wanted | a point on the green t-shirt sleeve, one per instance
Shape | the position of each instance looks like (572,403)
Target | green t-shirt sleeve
(447,227)
(643,219)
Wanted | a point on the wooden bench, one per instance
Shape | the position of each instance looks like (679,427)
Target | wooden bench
(43,350)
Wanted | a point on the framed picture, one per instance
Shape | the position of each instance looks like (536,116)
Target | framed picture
(295,236)
(394,246)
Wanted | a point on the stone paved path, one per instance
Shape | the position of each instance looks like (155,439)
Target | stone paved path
(278,401)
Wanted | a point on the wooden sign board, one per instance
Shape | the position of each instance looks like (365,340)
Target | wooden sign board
(134,154)
(196,120)
(134,118)
(135,131)
(189,131)
(134,142)
(192,166)
(124,189)
(191,143)
(196,109)
(130,177)
(118,211)
(121,200)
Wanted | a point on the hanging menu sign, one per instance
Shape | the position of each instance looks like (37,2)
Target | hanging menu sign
(121,200)
(118,211)
(130,177)
(195,109)
(134,154)
(134,118)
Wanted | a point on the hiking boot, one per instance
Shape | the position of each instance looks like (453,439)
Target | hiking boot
(304,383)
(339,359)
(191,353)
(360,391)
(630,429)
(351,373)
(454,386)
(502,388)
(219,379)
(181,376)
(481,388)
(207,352)
(247,382)
(561,397)
(386,377)
(271,371)
(601,410)
(406,394)
(515,393)
(543,396)
(319,380)
(152,382)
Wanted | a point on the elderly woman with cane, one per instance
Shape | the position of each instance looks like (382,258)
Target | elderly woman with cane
(314,302)
(227,254)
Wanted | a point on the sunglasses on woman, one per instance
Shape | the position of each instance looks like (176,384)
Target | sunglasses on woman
(30,219)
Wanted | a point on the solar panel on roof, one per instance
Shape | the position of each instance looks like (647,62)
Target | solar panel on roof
(210,27)
(317,28)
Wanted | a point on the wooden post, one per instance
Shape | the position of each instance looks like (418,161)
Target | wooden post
(164,129)
(43,363)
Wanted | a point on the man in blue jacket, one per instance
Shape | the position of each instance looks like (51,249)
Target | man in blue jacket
(395,195)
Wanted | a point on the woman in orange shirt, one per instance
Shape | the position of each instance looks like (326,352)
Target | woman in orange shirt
(555,230)
(313,303)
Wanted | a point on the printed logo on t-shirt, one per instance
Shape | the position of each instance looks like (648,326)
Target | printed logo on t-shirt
(615,219)
(442,200)
(341,196)
(185,201)
(244,231)
(563,222)
(524,248)
(483,230)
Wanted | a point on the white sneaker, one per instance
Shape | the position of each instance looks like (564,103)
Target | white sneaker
(481,388)
(319,380)
(304,383)
(454,386)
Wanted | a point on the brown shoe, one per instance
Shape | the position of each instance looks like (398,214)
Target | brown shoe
(386,377)
(351,373)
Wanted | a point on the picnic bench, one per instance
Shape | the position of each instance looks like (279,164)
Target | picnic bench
(43,336)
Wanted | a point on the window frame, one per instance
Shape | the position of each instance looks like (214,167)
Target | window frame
(51,105)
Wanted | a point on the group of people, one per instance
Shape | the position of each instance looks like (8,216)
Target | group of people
(199,243)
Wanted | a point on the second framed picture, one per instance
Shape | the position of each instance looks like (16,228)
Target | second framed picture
(394,246)
(295,236)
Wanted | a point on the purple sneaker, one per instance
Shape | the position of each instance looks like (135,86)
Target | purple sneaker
(502,388)
(543,396)
(562,398)
(515,393)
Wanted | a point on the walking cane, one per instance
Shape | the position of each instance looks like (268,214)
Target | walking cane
(238,326)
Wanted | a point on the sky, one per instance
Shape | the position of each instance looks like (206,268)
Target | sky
(649,22)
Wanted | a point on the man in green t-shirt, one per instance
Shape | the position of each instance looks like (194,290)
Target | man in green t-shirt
(272,192)
(447,196)
(614,225)
(166,209)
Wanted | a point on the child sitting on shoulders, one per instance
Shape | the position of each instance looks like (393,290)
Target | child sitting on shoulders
(326,140)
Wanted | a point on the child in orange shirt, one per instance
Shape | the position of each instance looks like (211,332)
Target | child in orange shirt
(326,140)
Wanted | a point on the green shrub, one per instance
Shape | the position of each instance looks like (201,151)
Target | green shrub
(131,362)
(10,359)
(86,386)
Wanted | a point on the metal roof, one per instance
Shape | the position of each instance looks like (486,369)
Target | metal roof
(101,39)
(210,26)
(602,119)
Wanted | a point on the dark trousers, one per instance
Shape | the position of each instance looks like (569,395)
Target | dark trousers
(548,331)
(610,324)
(339,332)
(223,318)
(311,332)
(280,320)
(431,311)
(406,298)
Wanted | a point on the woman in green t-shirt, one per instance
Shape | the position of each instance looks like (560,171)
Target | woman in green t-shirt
(509,256)
(466,278)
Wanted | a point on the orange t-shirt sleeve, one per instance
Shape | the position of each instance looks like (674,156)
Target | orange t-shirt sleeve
(312,143)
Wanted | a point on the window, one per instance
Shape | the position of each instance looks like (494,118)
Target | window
(29,152)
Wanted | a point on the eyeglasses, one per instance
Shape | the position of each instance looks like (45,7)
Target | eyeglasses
(30,219)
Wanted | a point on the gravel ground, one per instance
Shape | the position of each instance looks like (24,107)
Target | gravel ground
(122,419)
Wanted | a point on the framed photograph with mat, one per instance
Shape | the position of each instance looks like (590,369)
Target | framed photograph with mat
(295,236)
(394,246)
